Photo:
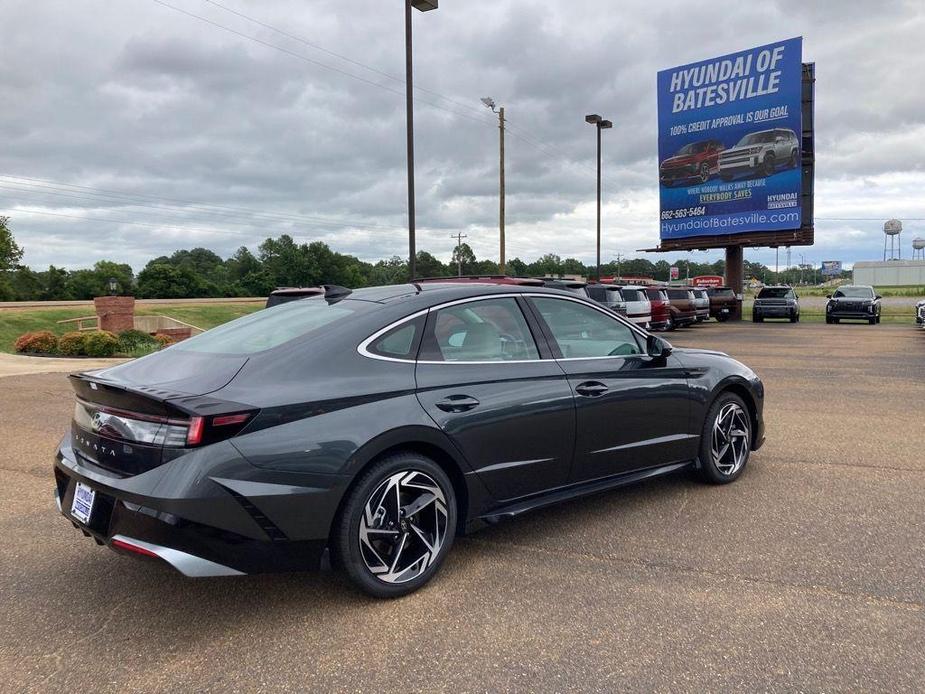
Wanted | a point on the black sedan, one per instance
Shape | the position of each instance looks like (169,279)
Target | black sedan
(369,428)
(853,302)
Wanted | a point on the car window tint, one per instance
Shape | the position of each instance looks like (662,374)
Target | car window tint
(487,330)
(269,328)
(631,295)
(400,342)
(581,331)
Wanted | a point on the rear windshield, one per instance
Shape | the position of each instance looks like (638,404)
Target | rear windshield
(633,295)
(774,293)
(679,294)
(854,293)
(656,295)
(269,328)
(720,292)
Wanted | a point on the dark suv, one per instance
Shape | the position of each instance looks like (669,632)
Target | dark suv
(723,303)
(682,308)
(856,302)
(776,302)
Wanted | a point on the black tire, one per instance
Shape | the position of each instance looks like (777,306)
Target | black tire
(878,319)
(871,321)
(793,317)
(350,553)
(757,319)
(836,320)
(828,320)
(671,325)
(709,468)
(797,318)
(722,318)
(704,172)
(768,166)
(794,158)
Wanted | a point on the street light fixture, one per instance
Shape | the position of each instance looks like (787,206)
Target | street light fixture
(595,119)
(423,6)
(490,103)
(113,286)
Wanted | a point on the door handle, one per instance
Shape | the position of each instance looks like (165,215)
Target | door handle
(458,403)
(592,389)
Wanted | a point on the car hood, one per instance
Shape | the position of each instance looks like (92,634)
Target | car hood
(920,304)
(692,350)
(680,160)
(738,150)
(176,370)
(852,300)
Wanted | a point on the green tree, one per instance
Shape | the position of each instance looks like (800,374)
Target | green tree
(426,265)
(164,281)
(463,254)
(391,271)
(10,252)
(516,268)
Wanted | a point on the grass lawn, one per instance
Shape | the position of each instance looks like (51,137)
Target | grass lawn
(14,323)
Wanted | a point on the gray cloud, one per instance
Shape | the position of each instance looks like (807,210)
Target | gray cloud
(137,98)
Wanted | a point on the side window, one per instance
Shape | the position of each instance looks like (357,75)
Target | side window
(582,332)
(485,330)
(401,342)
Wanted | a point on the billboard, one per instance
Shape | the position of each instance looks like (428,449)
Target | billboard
(708,281)
(831,268)
(675,272)
(729,143)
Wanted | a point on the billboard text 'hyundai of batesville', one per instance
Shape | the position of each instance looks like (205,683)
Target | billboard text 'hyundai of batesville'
(729,143)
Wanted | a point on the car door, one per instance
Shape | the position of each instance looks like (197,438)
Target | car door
(633,411)
(482,378)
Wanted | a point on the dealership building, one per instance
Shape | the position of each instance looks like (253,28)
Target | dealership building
(890,273)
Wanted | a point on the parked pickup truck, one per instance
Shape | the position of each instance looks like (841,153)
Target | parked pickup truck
(723,303)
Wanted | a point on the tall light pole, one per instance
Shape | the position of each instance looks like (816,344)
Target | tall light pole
(490,103)
(601,124)
(423,6)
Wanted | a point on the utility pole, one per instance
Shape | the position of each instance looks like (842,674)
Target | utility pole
(459,237)
(490,103)
(619,272)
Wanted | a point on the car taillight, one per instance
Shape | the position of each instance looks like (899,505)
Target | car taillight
(194,432)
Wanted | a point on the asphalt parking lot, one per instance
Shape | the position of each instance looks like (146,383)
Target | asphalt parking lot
(808,573)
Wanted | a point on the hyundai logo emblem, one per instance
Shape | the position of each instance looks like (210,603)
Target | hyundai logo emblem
(96,422)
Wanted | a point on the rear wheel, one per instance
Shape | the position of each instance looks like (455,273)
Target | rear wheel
(726,440)
(397,526)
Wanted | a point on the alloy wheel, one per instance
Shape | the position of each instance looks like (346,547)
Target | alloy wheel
(730,439)
(403,526)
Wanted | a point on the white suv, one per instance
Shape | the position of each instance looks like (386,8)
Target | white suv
(762,152)
(638,306)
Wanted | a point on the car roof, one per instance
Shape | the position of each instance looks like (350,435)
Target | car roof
(428,294)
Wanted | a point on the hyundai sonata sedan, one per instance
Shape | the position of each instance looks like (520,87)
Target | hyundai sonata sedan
(367,429)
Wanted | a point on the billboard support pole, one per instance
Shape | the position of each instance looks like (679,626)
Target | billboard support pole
(735,274)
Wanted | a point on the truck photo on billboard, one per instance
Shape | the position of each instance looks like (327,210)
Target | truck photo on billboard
(729,142)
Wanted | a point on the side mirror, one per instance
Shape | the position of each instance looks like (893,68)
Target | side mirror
(657,347)
(879,297)
(828,296)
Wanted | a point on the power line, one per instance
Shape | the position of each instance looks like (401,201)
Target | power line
(118,196)
(317,63)
(129,222)
(546,149)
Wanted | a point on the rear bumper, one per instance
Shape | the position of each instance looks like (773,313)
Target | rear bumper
(203,528)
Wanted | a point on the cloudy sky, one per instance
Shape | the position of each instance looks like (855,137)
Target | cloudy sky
(133,128)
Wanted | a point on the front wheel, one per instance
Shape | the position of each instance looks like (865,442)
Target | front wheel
(397,526)
(726,440)
(768,166)
(704,172)
(871,321)
(793,317)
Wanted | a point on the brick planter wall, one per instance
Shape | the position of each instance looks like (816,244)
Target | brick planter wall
(176,334)
(116,313)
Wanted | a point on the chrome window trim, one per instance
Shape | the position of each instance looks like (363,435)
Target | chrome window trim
(363,348)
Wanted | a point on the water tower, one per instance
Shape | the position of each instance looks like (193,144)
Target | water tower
(918,249)
(892,229)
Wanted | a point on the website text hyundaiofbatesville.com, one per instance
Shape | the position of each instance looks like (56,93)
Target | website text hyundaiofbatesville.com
(733,220)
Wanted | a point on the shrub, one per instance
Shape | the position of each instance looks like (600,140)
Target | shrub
(101,343)
(38,342)
(164,340)
(72,344)
(133,340)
